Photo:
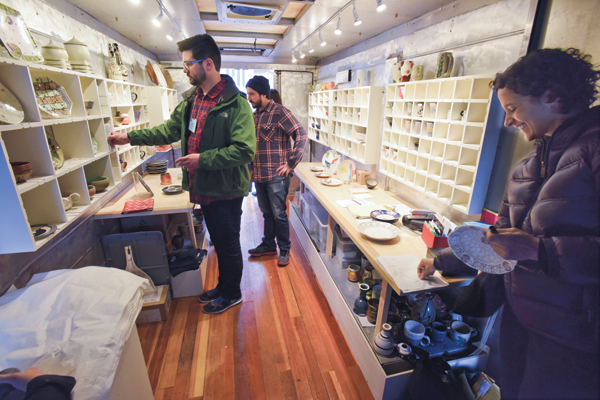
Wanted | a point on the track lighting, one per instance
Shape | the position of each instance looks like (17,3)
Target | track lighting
(380,5)
(302,55)
(310,48)
(357,20)
(323,43)
(135,1)
(170,34)
(156,21)
(338,30)
(294,60)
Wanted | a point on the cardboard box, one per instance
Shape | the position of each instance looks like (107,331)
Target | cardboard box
(158,310)
(188,283)
(362,176)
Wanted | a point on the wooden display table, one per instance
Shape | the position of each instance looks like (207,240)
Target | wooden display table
(164,204)
(386,376)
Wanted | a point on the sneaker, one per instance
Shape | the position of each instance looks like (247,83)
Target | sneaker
(220,305)
(209,296)
(262,250)
(284,258)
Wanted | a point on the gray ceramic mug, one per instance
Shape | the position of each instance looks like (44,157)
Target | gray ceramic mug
(461,333)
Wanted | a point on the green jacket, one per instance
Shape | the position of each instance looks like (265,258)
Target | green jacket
(228,142)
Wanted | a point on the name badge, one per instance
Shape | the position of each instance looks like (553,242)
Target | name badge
(192,126)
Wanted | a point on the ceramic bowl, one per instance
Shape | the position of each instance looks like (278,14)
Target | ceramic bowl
(371,183)
(385,216)
(118,120)
(99,182)
(21,170)
(91,190)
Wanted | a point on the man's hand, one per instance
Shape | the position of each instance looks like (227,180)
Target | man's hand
(118,138)
(284,170)
(514,244)
(425,268)
(191,162)
(20,380)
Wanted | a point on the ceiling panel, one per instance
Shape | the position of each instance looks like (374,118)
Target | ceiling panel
(227,39)
(241,27)
(293,10)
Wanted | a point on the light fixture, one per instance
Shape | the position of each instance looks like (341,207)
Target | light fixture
(294,60)
(338,30)
(302,55)
(380,5)
(310,48)
(323,43)
(135,1)
(156,21)
(170,34)
(357,20)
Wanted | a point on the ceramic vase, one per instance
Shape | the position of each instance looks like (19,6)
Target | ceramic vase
(56,153)
(384,344)
(120,63)
(114,71)
(360,304)
(406,70)
(444,65)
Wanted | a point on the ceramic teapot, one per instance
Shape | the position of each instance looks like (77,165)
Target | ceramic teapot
(423,310)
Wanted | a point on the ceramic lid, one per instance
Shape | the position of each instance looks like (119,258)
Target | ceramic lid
(75,41)
(53,45)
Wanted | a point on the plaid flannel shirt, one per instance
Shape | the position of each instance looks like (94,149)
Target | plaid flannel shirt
(202,106)
(275,126)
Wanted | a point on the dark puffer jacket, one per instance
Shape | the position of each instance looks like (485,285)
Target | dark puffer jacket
(558,295)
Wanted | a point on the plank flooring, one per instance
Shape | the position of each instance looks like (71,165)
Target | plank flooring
(282,342)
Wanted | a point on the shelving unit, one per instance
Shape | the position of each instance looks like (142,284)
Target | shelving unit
(162,102)
(319,121)
(355,123)
(38,200)
(438,138)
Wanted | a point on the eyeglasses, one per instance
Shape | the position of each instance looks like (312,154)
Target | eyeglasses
(188,65)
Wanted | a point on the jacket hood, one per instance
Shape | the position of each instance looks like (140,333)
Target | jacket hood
(228,93)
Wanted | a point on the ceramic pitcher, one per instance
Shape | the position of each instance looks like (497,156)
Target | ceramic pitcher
(444,65)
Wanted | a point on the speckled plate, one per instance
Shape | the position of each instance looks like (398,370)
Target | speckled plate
(317,168)
(470,245)
(40,232)
(323,175)
(346,170)
(378,231)
(331,182)
(11,111)
(173,189)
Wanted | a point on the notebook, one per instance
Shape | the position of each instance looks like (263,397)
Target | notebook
(134,206)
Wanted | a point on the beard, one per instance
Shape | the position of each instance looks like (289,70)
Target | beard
(258,104)
(199,78)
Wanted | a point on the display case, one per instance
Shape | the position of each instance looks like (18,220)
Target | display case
(440,137)
(355,123)
(319,122)
(83,150)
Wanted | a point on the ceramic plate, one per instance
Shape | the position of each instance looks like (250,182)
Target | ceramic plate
(168,78)
(42,231)
(378,231)
(151,72)
(385,216)
(323,175)
(331,182)
(469,244)
(15,36)
(329,158)
(11,111)
(346,170)
(316,168)
(52,98)
(173,189)
(159,75)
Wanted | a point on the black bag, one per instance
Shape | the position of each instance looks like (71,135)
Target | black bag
(432,379)
(484,295)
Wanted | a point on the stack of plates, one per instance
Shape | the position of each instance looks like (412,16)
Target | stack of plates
(58,64)
(156,167)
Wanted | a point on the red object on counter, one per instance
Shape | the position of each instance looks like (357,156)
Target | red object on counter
(432,241)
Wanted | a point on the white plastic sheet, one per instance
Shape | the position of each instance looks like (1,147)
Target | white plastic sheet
(71,322)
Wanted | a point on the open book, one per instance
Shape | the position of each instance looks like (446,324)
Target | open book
(403,270)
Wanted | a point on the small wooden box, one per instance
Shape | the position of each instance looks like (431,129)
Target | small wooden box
(362,176)
(156,310)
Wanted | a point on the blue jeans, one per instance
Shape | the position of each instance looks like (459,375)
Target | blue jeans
(223,219)
(272,197)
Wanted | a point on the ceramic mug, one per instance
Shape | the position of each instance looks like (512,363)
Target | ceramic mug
(461,333)
(430,129)
(372,310)
(407,124)
(353,273)
(438,332)
(69,199)
(417,127)
(165,179)
(409,108)
(419,109)
(417,73)
(432,110)
(414,331)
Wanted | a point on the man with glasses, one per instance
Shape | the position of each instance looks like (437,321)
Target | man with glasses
(216,127)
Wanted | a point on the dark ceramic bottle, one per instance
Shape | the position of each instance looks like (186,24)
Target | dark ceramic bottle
(360,304)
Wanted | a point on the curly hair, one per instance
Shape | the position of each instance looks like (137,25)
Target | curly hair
(567,74)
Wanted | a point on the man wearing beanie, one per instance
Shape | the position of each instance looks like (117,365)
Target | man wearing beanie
(214,124)
(276,158)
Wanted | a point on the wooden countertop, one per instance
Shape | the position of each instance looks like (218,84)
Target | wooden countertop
(163,203)
(406,243)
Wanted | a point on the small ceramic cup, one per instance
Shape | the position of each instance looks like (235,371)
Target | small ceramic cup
(165,179)
(419,109)
(417,127)
(414,331)
(461,333)
(372,310)
(376,292)
(430,129)
(353,273)
(432,110)
(438,332)
(407,125)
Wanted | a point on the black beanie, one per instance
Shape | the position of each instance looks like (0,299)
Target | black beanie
(260,84)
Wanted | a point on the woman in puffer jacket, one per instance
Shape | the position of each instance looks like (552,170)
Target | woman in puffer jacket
(550,222)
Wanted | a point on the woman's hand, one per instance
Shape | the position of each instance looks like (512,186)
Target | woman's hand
(425,268)
(514,244)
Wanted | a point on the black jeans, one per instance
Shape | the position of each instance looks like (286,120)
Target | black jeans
(272,197)
(223,219)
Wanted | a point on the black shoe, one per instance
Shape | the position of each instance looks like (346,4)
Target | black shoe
(220,305)
(262,250)
(284,258)
(209,296)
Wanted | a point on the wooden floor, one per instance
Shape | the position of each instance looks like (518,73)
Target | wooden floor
(282,342)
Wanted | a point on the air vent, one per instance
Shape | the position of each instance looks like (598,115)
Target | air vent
(248,12)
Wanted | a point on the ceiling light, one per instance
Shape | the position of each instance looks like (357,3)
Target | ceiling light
(156,21)
(170,34)
(135,1)
(338,30)
(294,60)
(380,6)
(302,55)
(357,20)
(323,43)
(310,48)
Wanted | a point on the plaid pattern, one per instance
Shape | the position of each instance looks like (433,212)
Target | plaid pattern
(275,126)
(203,104)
